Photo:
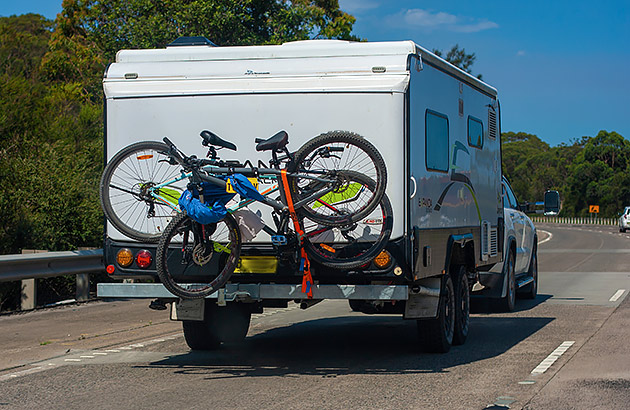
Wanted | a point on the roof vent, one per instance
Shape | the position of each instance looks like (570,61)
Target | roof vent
(192,41)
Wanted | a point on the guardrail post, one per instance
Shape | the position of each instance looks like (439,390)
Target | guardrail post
(83,282)
(28,299)
(83,287)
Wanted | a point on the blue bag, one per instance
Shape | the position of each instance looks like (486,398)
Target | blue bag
(204,213)
(213,210)
(244,187)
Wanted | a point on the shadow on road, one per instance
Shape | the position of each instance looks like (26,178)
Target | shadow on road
(351,345)
(486,305)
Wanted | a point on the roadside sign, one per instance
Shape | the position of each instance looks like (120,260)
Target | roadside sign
(593,209)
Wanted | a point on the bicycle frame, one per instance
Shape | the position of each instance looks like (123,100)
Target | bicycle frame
(264,173)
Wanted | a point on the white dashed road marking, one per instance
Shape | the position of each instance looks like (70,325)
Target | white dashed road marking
(551,359)
(617,295)
(92,354)
(78,358)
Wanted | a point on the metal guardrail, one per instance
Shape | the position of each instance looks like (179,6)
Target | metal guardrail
(28,267)
(583,220)
(45,265)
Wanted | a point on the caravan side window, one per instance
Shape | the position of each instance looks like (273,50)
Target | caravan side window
(475,132)
(436,141)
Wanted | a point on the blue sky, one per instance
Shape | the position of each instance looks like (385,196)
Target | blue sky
(562,67)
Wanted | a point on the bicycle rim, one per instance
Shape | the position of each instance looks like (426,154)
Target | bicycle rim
(127,190)
(354,245)
(332,155)
(194,260)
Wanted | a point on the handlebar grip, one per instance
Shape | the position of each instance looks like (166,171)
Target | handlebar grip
(259,140)
(168,142)
(173,152)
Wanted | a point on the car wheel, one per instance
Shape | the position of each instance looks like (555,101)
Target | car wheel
(531,290)
(507,303)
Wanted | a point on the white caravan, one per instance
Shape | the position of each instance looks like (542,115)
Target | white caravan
(436,126)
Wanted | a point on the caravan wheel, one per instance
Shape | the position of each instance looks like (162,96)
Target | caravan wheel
(436,335)
(462,306)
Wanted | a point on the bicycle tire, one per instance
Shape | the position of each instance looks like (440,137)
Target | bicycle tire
(179,265)
(123,190)
(358,155)
(358,245)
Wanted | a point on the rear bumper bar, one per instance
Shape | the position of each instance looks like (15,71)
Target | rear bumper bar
(256,292)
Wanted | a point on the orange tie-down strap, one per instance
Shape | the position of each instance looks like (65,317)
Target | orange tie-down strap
(305,265)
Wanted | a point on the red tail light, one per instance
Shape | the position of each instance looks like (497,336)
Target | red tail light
(144,259)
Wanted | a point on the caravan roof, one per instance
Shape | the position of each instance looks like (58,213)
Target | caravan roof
(310,58)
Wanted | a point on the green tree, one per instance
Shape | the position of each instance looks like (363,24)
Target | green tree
(600,175)
(50,147)
(590,171)
(117,24)
(51,96)
(23,42)
(459,58)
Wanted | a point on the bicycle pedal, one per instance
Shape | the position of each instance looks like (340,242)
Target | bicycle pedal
(279,240)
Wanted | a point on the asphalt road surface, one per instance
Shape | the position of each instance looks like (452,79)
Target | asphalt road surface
(567,349)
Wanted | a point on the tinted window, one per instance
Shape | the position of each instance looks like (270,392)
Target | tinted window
(511,198)
(475,132)
(436,141)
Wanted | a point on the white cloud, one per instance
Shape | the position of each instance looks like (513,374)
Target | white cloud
(429,20)
(358,6)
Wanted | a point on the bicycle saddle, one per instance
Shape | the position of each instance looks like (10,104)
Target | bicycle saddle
(276,143)
(210,138)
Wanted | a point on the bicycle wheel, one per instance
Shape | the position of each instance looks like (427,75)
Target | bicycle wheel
(194,260)
(331,155)
(127,189)
(352,245)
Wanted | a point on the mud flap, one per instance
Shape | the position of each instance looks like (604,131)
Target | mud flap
(188,309)
(423,300)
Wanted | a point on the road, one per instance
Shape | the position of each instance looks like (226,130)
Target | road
(565,350)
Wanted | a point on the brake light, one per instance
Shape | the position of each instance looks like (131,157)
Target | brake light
(110,269)
(144,259)
(124,257)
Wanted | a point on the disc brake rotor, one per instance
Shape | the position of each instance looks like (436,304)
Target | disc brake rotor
(202,253)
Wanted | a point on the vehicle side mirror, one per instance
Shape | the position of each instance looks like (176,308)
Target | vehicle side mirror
(552,203)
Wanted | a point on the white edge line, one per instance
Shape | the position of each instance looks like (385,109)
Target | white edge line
(551,359)
(617,295)
(548,238)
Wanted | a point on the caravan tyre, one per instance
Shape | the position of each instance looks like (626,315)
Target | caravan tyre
(436,335)
(227,324)
(462,306)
